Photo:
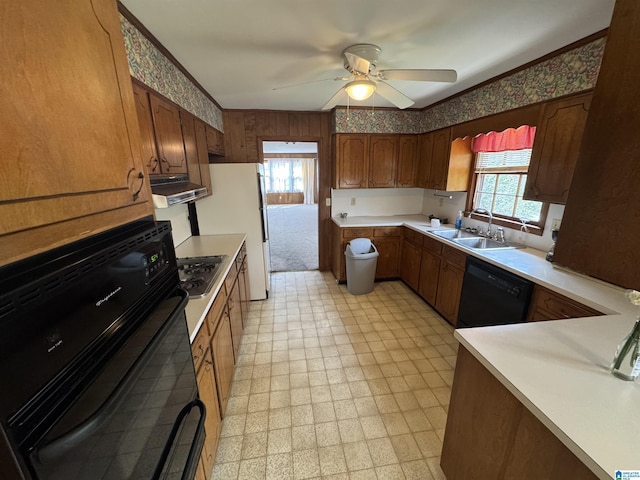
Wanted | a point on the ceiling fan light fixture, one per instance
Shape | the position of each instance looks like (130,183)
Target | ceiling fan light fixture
(360,89)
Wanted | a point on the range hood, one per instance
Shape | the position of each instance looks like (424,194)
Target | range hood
(169,190)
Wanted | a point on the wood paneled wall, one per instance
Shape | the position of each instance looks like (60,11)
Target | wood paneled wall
(244,130)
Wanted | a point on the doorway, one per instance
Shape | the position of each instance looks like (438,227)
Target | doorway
(291,187)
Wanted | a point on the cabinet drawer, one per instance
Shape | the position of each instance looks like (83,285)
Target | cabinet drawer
(432,245)
(216,310)
(199,346)
(349,233)
(412,236)
(454,257)
(387,232)
(558,306)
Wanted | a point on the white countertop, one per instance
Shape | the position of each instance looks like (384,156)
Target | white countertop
(558,369)
(203,245)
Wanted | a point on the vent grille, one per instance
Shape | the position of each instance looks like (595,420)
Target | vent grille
(48,286)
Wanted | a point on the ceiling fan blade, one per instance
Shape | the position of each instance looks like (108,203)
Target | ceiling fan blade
(419,75)
(333,101)
(357,64)
(399,99)
(312,81)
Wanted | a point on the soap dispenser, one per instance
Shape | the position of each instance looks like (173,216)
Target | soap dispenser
(459,220)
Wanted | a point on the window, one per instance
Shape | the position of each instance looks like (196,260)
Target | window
(283,175)
(502,163)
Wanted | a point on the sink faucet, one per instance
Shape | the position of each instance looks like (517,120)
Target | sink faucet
(482,211)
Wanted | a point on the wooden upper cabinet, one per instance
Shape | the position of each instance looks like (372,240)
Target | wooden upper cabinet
(425,150)
(556,148)
(203,153)
(215,141)
(604,190)
(190,146)
(383,161)
(407,170)
(70,142)
(167,127)
(147,136)
(444,164)
(440,159)
(352,161)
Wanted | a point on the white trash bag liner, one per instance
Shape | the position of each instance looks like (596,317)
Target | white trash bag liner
(360,245)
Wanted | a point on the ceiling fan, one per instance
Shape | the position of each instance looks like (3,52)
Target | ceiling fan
(361,61)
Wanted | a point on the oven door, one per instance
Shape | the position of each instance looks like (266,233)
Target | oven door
(139,418)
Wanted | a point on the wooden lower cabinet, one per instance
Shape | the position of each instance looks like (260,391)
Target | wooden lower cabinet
(548,305)
(491,434)
(410,258)
(387,241)
(235,317)
(223,359)
(450,281)
(209,396)
(429,271)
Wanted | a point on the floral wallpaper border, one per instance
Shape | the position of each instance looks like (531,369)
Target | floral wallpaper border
(570,72)
(150,66)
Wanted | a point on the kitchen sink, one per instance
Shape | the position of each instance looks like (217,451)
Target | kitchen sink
(453,234)
(481,243)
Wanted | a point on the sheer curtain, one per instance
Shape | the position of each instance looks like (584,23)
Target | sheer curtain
(309,180)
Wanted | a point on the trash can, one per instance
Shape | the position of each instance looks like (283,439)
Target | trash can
(361,259)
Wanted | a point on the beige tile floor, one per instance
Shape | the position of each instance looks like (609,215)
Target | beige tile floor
(335,386)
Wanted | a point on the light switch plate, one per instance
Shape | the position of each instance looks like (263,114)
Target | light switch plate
(353,200)
(327,201)
(555,223)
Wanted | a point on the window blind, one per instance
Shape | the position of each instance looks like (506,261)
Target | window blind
(516,161)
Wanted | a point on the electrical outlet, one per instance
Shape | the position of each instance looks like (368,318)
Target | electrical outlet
(327,201)
(353,200)
(555,224)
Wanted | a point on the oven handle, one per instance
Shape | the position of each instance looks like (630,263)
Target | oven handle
(194,451)
(73,437)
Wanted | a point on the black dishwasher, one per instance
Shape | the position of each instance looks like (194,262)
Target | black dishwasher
(492,296)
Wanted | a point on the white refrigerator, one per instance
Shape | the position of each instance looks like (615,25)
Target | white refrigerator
(238,205)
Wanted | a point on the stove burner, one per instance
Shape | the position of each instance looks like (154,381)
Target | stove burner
(198,274)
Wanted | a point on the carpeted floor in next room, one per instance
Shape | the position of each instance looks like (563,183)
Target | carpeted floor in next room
(293,237)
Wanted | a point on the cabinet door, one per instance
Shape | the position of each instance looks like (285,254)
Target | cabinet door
(71,164)
(449,289)
(215,141)
(209,395)
(145,122)
(410,264)
(429,275)
(352,161)
(425,154)
(556,148)
(222,351)
(548,305)
(203,154)
(166,124)
(437,179)
(388,256)
(604,189)
(235,317)
(190,146)
(407,161)
(383,161)
(245,296)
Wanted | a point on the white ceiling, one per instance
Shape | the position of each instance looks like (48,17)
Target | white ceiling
(289,147)
(240,50)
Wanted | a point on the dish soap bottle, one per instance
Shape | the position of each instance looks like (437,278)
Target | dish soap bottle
(459,220)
